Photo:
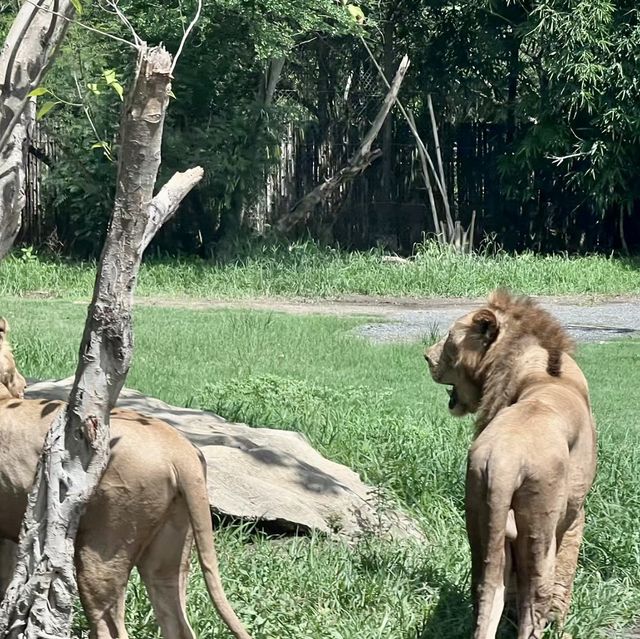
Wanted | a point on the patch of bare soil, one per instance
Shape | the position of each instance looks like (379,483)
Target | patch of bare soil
(366,305)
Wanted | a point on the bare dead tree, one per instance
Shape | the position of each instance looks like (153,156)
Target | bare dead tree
(447,231)
(29,49)
(361,159)
(40,597)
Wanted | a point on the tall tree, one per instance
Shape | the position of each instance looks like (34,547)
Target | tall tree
(39,600)
(29,49)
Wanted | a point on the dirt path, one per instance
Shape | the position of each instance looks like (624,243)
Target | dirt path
(588,318)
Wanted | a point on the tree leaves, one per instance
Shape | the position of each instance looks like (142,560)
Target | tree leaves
(36,93)
(45,108)
(77,5)
(356,13)
(106,149)
(109,76)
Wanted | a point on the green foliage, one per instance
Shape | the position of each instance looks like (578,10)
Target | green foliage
(216,120)
(588,49)
(553,82)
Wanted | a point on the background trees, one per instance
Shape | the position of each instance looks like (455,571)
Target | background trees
(536,103)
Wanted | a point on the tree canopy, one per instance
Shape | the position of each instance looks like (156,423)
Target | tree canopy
(536,102)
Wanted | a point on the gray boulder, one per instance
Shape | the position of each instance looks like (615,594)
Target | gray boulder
(266,475)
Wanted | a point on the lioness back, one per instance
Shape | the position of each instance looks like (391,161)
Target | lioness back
(139,482)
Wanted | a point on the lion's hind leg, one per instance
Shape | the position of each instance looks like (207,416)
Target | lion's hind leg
(164,569)
(565,568)
(102,585)
(535,553)
(487,519)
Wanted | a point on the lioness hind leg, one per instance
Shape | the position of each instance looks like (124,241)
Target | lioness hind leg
(565,570)
(164,569)
(102,585)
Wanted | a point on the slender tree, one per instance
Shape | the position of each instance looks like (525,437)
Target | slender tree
(39,600)
(30,47)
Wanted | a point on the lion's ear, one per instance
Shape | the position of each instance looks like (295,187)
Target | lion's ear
(4,328)
(485,324)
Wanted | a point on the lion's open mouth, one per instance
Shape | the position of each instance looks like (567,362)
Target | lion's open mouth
(453,397)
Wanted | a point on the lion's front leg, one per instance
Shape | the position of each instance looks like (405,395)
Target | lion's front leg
(565,569)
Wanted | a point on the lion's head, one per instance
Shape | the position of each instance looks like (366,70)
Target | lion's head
(477,355)
(10,377)
(456,359)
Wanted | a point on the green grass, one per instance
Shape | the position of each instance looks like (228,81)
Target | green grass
(374,408)
(304,270)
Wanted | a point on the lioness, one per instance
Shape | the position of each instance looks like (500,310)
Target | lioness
(150,503)
(532,460)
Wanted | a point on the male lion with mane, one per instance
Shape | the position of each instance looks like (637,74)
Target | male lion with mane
(150,504)
(532,460)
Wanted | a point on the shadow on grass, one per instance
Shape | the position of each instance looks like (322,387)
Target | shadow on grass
(452,617)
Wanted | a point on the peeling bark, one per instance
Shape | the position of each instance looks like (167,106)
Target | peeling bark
(12,175)
(39,600)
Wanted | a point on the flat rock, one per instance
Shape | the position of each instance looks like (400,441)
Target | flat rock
(267,475)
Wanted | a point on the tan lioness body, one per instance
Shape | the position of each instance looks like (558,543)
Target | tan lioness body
(150,503)
(532,461)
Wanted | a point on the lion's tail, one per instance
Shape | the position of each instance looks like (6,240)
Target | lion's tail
(192,482)
(497,559)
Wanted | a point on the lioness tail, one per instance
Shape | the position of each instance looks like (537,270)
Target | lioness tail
(192,483)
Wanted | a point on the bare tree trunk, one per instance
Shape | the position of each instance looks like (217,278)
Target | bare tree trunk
(39,600)
(436,140)
(623,239)
(425,158)
(12,195)
(450,233)
(27,53)
(512,92)
(362,158)
(269,82)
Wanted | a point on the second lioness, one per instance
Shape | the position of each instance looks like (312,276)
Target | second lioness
(149,505)
(532,461)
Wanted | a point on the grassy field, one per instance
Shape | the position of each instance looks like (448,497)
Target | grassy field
(373,408)
(303,270)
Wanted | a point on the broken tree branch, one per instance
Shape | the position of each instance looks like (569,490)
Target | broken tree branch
(361,159)
(39,600)
(450,233)
(424,158)
(410,121)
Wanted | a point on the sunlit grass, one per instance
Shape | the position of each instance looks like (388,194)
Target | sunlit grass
(373,408)
(304,270)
